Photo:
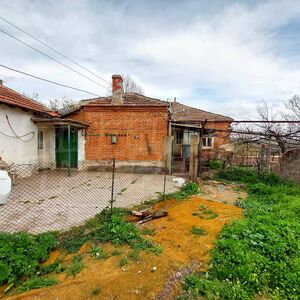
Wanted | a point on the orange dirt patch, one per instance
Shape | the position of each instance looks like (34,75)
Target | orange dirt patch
(147,277)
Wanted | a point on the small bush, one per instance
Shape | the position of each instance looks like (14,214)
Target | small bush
(215,164)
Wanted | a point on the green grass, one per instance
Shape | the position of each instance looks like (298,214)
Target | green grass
(134,256)
(76,266)
(96,292)
(205,213)
(257,255)
(98,252)
(198,231)
(185,191)
(116,252)
(148,231)
(124,261)
(35,283)
(22,253)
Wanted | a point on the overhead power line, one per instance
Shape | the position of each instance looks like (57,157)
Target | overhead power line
(52,58)
(54,50)
(47,80)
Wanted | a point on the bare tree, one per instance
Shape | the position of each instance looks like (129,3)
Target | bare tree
(131,86)
(63,105)
(270,131)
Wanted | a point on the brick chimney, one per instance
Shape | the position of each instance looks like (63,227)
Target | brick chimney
(117,89)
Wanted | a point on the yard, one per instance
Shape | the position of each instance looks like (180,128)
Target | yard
(127,273)
(51,200)
(233,241)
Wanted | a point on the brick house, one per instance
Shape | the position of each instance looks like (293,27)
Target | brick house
(187,121)
(126,126)
(132,127)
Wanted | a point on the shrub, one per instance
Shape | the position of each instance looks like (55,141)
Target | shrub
(247,175)
(215,164)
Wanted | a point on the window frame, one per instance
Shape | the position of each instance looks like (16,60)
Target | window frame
(40,140)
(178,137)
(206,138)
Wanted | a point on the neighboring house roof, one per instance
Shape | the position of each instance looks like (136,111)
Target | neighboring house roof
(184,113)
(12,98)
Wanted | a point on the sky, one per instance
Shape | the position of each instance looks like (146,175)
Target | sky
(222,56)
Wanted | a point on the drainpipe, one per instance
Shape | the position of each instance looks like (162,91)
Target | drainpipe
(69,150)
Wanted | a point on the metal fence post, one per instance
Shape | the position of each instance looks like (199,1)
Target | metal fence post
(165,177)
(112,185)
(69,150)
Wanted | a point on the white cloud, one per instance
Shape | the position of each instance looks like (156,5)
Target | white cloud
(220,59)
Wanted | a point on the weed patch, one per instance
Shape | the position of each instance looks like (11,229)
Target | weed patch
(98,252)
(148,231)
(205,213)
(123,262)
(35,283)
(198,231)
(76,266)
(22,253)
(185,191)
(116,252)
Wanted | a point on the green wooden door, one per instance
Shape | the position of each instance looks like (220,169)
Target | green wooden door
(61,148)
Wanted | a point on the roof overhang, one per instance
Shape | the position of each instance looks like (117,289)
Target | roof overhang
(192,127)
(60,122)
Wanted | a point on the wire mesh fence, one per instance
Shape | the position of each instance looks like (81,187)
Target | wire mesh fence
(44,198)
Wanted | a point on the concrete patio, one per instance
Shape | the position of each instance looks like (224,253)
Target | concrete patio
(51,200)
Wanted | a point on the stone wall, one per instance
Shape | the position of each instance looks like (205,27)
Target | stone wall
(290,165)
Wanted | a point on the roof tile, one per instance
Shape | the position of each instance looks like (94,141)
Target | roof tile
(13,98)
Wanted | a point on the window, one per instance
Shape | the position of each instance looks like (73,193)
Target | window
(178,137)
(40,140)
(207,142)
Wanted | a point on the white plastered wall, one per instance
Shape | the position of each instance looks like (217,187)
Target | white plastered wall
(12,149)
(81,146)
(47,154)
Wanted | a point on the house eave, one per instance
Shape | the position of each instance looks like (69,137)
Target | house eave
(60,122)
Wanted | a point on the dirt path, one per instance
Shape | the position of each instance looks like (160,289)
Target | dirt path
(151,276)
(222,192)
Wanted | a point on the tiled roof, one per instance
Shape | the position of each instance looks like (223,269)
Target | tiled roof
(180,112)
(184,113)
(13,98)
(132,99)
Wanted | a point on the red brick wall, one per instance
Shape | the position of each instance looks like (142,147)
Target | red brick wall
(140,132)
